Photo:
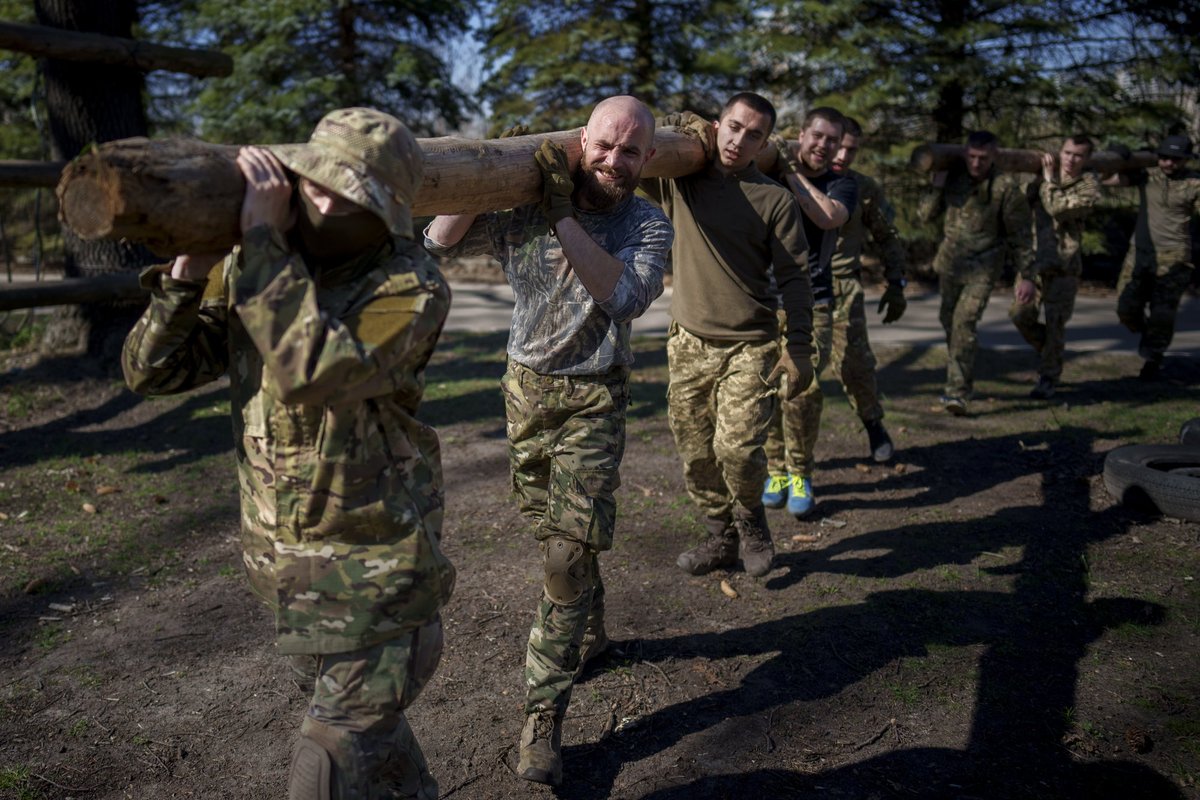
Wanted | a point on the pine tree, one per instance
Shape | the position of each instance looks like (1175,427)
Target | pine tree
(553,60)
(295,60)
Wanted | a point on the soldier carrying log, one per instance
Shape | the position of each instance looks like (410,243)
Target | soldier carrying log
(324,318)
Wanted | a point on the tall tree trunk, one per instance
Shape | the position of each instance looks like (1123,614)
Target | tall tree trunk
(643,75)
(89,103)
(950,107)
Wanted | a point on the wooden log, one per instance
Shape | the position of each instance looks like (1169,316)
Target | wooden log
(20,174)
(72,291)
(935,157)
(184,196)
(96,48)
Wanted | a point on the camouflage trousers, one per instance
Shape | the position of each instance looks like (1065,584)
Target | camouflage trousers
(796,424)
(566,438)
(965,295)
(719,405)
(852,359)
(356,715)
(1148,295)
(1055,297)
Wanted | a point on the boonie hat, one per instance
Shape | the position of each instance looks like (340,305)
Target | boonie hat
(366,156)
(1176,147)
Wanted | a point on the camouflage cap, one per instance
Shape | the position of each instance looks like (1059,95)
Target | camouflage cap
(365,156)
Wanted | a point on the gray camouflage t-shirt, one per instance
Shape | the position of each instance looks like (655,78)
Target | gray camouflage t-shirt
(558,328)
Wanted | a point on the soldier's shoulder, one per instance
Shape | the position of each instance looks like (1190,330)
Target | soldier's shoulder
(409,268)
(646,212)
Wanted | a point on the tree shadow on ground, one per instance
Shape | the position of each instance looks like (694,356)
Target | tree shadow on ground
(1033,639)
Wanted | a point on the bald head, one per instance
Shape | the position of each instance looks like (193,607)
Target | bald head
(624,113)
(617,143)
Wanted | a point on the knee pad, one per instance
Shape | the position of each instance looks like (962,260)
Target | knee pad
(568,565)
(311,773)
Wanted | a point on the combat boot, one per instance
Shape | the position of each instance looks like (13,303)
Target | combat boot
(719,549)
(541,748)
(756,548)
(1044,389)
(880,443)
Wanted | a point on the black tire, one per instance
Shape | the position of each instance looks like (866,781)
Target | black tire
(1163,476)
(1189,432)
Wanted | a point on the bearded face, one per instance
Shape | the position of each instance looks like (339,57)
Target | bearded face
(602,186)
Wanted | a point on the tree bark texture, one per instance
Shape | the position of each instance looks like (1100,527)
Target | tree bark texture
(938,157)
(94,48)
(184,196)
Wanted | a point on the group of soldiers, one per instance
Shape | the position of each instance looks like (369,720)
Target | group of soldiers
(327,313)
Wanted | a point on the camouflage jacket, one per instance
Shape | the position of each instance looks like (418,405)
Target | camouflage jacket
(985,223)
(873,215)
(558,328)
(1163,232)
(1059,213)
(340,484)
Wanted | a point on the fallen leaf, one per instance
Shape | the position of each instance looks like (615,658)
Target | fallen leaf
(833,523)
(3,516)
(862,468)
(94,459)
(34,585)
(806,537)
(88,508)
(728,590)
(72,486)
(903,429)
(103,490)
(901,468)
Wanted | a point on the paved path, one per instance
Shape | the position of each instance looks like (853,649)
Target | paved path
(1094,327)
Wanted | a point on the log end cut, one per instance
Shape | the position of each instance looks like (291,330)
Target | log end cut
(86,203)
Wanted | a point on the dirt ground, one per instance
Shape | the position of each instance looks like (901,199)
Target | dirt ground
(977,619)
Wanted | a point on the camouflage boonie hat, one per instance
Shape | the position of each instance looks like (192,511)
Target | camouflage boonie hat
(365,156)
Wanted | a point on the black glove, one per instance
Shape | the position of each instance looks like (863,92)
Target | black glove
(1121,150)
(893,300)
(557,186)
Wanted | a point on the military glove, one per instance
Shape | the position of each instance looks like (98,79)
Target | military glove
(798,374)
(787,161)
(893,302)
(557,186)
(695,126)
(515,130)
(1121,150)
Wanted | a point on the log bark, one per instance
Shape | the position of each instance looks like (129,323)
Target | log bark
(934,157)
(18,174)
(95,48)
(184,196)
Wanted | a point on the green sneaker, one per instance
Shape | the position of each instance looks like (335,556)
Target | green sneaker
(775,491)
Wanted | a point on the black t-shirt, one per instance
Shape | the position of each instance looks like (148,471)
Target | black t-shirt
(821,243)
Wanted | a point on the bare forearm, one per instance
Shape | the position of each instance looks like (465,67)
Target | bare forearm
(597,270)
(825,212)
(449,230)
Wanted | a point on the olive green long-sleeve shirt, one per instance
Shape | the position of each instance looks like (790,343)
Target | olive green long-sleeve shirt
(1163,233)
(730,230)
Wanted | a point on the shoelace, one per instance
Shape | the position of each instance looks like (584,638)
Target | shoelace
(798,486)
(777,484)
